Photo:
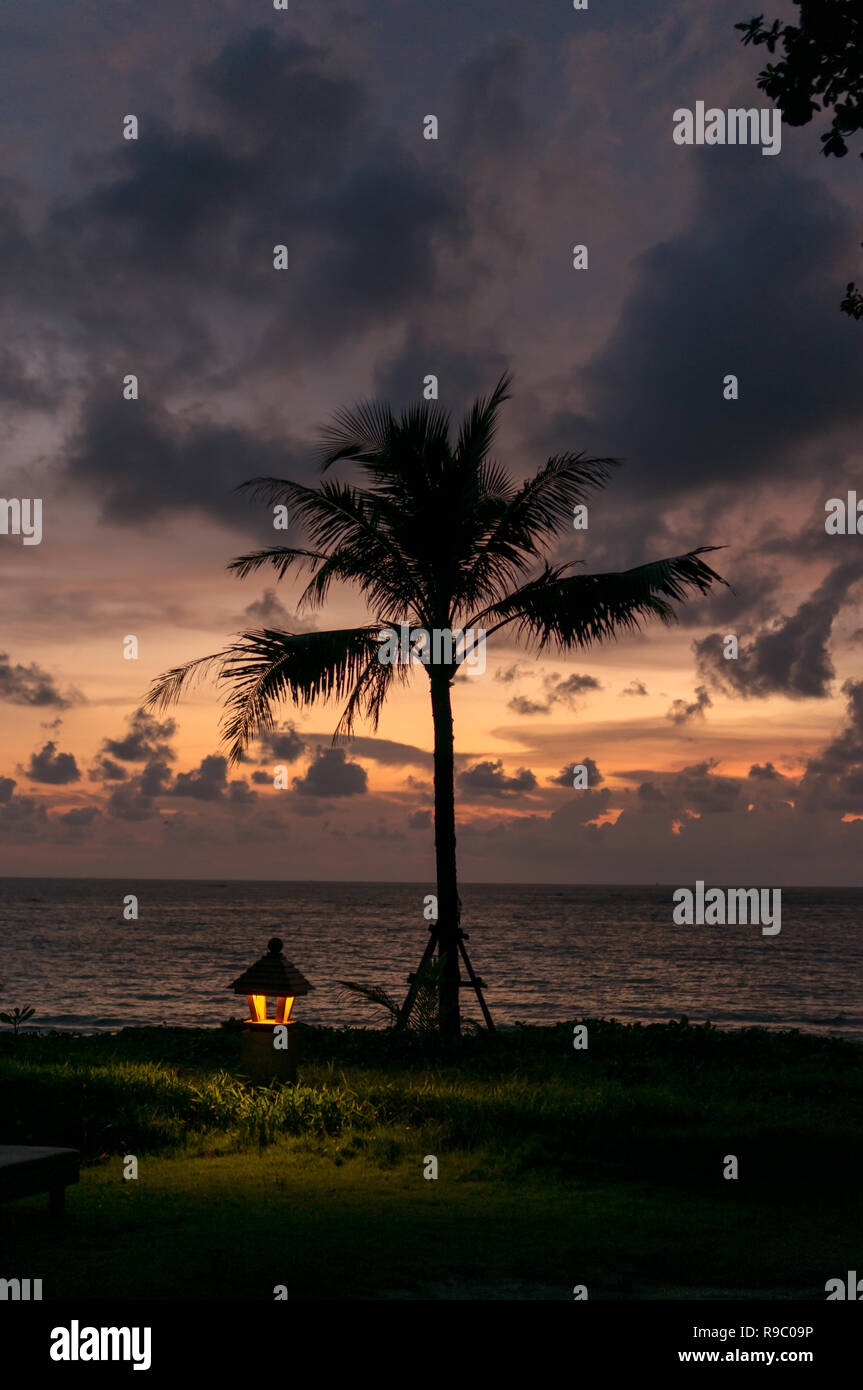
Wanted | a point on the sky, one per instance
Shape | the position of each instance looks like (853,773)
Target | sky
(407,257)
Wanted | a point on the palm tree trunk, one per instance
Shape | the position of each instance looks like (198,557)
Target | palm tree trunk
(445,858)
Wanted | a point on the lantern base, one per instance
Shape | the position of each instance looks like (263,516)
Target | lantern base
(261,1061)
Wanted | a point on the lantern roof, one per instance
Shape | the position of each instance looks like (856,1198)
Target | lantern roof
(272,974)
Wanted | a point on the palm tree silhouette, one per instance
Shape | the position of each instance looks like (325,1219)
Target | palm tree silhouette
(440,538)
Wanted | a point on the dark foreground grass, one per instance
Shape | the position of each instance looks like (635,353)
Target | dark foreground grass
(556,1167)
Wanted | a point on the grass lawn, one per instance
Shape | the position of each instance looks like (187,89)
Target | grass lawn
(556,1168)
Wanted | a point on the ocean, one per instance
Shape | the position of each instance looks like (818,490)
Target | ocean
(546,953)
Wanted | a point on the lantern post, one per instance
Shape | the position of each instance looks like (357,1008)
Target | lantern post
(268,1048)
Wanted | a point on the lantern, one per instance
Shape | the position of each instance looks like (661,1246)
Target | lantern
(267,1054)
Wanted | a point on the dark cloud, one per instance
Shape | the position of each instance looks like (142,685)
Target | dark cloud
(462,373)
(682,711)
(420,820)
(699,788)
(135,800)
(564,778)
(207,782)
(385,750)
(106,770)
(22,819)
(488,779)
(332,775)
(491,121)
(634,688)
(568,690)
(19,387)
(30,685)
(241,794)
(686,321)
(791,656)
(702,789)
(750,597)
(833,778)
(7,787)
(507,674)
(127,802)
(283,743)
(765,773)
(520,704)
(649,792)
(269,611)
(155,777)
(558,690)
(80,817)
(147,739)
(182,223)
(167,461)
(49,766)
(379,830)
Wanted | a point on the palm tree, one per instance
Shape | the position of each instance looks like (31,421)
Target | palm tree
(439,537)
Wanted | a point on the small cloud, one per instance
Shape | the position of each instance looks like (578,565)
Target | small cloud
(648,791)
(269,611)
(207,782)
(570,690)
(489,779)
(681,711)
(520,704)
(80,816)
(634,688)
(155,777)
(30,685)
(557,691)
(332,775)
(53,768)
(420,820)
(507,674)
(147,738)
(106,770)
(765,772)
(564,778)
(283,743)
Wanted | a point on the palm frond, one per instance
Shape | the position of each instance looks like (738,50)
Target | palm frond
(369,695)
(544,504)
(374,994)
(266,667)
(478,427)
(168,688)
(425,1010)
(281,557)
(359,432)
(566,611)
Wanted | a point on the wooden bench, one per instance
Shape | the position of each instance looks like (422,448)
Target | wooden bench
(25,1170)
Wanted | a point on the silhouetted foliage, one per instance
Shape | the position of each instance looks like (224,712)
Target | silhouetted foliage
(823,59)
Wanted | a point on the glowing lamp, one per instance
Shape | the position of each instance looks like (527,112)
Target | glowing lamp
(272,978)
